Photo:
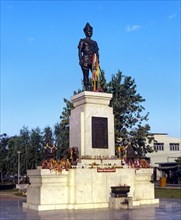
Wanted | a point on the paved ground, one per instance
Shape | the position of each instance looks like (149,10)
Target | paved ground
(11,209)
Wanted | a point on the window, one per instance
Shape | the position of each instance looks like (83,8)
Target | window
(158,146)
(174,146)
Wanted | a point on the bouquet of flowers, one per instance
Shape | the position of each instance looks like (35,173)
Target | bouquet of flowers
(56,165)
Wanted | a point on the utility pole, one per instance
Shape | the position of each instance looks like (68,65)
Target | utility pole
(19,152)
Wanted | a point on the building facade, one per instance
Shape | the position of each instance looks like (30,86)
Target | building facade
(167,150)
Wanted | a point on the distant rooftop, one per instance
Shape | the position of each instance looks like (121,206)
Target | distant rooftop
(159,133)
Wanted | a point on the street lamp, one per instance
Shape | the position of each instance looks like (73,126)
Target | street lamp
(18,165)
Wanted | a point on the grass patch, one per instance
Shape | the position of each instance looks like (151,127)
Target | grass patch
(168,193)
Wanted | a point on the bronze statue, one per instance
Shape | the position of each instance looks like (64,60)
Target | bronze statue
(88,49)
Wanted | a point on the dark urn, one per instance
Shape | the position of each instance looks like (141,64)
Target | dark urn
(119,191)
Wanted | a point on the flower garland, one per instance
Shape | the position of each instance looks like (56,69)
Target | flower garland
(56,165)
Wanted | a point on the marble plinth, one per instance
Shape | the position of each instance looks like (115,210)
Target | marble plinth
(86,106)
(86,188)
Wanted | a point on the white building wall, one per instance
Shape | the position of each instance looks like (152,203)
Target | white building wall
(165,155)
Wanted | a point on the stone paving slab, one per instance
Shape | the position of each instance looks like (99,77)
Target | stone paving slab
(11,209)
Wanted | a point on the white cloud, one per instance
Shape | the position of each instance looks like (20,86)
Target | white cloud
(171,16)
(131,28)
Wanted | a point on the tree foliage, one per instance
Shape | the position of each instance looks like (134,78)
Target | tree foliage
(30,145)
(36,148)
(126,105)
(64,128)
(128,114)
(3,154)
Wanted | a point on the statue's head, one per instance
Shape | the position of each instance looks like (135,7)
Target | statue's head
(88,30)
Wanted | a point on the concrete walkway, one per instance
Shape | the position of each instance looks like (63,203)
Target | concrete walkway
(11,209)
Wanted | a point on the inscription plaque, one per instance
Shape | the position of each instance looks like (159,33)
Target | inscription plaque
(99,132)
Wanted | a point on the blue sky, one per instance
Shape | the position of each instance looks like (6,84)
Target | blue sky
(40,66)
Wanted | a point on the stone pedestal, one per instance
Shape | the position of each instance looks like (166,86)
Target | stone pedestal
(90,106)
(120,203)
(87,188)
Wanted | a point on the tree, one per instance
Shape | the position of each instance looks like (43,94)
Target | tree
(25,148)
(103,82)
(12,155)
(47,135)
(36,149)
(57,134)
(4,138)
(63,138)
(141,139)
(127,109)
(126,105)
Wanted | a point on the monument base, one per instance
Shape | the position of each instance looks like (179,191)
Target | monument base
(65,206)
(86,188)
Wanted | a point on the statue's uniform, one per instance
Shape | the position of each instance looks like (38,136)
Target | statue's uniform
(87,48)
